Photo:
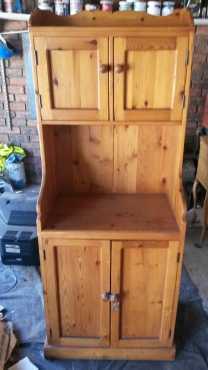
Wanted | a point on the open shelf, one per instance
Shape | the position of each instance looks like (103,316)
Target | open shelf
(114,216)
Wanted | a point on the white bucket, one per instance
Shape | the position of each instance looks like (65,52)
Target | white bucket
(153,7)
(168,7)
(16,173)
(140,6)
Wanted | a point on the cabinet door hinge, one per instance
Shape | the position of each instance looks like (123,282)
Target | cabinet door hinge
(50,332)
(184,101)
(36,57)
(170,332)
(187,58)
(44,254)
(178,257)
(40,101)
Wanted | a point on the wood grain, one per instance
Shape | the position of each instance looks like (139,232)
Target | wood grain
(112,95)
(63,63)
(143,273)
(69,264)
(114,213)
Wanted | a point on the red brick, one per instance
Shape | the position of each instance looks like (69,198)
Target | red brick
(202,30)
(21,98)
(30,131)
(196,91)
(32,123)
(2,122)
(21,114)
(16,62)
(34,139)
(13,72)
(1,97)
(17,81)
(17,107)
(19,121)
(14,89)
(19,139)
(4,138)
(5,129)
(199,58)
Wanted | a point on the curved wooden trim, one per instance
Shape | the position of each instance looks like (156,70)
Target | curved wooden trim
(180,17)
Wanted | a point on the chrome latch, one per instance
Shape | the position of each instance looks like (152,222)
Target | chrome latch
(115,299)
(106,296)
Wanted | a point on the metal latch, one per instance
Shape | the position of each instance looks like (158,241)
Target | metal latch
(115,299)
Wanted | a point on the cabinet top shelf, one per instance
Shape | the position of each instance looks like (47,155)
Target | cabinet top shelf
(180,18)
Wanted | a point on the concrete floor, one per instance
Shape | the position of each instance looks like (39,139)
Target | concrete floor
(196,262)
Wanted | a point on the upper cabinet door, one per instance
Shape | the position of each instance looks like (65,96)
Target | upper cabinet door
(72,78)
(149,78)
(76,275)
(143,281)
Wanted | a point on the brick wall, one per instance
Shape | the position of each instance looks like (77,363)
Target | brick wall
(199,86)
(24,130)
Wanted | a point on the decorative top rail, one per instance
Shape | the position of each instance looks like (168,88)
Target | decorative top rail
(180,18)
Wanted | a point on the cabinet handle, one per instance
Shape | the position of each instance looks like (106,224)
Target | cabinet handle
(104,68)
(119,68)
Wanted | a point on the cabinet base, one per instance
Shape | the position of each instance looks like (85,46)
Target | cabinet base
(63,352)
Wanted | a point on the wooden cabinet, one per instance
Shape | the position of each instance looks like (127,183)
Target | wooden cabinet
(143,275)
(79,272)
(142,90)
(112,96)
(106,293)
(73,78)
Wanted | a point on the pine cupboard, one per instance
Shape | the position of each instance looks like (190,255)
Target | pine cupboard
(112,94)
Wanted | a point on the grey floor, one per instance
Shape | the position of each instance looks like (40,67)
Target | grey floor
(196,259)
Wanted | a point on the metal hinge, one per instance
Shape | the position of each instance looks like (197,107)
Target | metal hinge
(40,101)
(183,97)
(44,254)
(170,332)
(36,57)
(187,58)
(178,257)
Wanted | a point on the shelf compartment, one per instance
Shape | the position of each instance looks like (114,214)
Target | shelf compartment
(113,216)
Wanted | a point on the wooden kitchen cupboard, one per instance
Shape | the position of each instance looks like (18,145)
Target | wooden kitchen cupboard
(112,95)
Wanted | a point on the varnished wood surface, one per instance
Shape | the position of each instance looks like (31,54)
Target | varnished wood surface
(116,19)
(106,159)
(117,213)
(142,90)
(111,203)
(69,266)
(143,319)
(110,353)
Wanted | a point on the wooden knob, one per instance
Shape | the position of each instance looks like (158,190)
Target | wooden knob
(119,68)
(104,68)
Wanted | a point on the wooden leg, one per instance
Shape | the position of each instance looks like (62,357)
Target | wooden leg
(204,226)
(196,182)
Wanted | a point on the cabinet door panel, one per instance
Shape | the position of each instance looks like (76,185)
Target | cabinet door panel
(77,273)
(149,77)
(144,275)
(70,81)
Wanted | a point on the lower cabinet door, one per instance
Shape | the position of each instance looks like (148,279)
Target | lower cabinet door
(76,274)
(143,288)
